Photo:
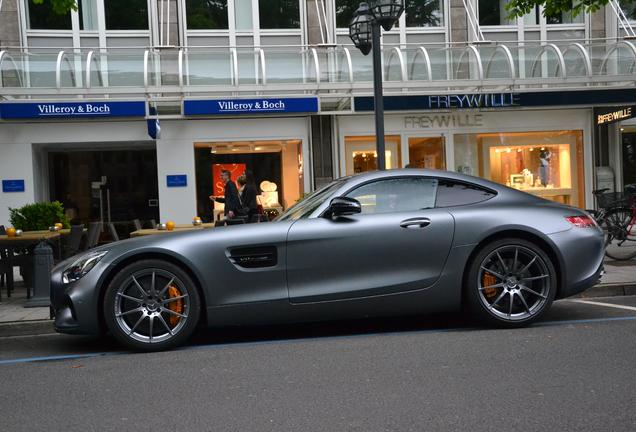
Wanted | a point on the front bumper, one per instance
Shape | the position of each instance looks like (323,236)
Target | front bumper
(74,306)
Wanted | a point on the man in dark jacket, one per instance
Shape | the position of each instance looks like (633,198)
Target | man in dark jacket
(231,198)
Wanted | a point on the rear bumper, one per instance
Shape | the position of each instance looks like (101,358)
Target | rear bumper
(582,251)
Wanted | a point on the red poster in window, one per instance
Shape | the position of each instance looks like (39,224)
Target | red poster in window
(236,171)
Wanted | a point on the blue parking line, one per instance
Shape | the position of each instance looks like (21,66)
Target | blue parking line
(55,358)
(292,340)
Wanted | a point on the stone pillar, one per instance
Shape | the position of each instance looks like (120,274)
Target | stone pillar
(458,22)
(597,22)
(313,24)
(9,24)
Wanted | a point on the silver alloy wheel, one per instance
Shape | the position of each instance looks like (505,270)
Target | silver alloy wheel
(144,310)
(522,283)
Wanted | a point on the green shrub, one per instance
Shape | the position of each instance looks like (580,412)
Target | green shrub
(38,216)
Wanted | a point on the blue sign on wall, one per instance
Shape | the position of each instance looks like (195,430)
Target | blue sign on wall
(179,180)
(72,109)
(250,106)
(12,185)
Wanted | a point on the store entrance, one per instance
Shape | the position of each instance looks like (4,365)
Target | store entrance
(629,156)
(106,185)
(277,167)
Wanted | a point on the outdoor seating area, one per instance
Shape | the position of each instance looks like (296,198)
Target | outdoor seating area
(17,248)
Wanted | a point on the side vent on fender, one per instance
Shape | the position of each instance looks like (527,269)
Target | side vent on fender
(254,257)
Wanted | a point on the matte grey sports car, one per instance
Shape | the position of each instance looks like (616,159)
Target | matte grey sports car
(383,243)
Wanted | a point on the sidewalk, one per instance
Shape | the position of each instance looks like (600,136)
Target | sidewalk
(619,279)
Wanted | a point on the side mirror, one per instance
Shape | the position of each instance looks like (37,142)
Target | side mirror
(343,206)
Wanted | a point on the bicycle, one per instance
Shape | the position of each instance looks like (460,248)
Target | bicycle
(617,217)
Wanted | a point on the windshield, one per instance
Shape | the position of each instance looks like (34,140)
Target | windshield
(309,204)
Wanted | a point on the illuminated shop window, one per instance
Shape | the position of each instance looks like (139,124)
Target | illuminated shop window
(277,166)
(427,152)
(361,155)
(547,164)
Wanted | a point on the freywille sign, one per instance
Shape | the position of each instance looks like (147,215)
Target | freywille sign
(488,100)
(492,101)
(614,116)
(72,109)
(443,121)
(250,106)
(444,102)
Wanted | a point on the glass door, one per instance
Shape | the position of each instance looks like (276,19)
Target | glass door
(427,152)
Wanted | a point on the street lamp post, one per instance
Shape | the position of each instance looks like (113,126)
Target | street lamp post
(364,31)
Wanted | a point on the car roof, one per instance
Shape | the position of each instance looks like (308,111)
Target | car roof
(376,175)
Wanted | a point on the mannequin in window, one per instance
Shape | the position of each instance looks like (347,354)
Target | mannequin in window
(544,166)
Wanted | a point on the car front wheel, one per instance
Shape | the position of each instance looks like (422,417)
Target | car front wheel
(511,283)
(151,305)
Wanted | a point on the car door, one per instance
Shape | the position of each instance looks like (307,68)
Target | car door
(399,242)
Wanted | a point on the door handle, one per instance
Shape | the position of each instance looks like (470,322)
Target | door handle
(415,223)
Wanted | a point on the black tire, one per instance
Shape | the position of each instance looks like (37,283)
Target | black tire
(527,299)
(135,328)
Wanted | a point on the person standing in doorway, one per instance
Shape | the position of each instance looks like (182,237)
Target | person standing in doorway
(231,198)
(248,194)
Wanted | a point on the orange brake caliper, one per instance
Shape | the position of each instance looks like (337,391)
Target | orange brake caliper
(489,280)
(175,306)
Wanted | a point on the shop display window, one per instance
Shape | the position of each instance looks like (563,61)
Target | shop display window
(277,166)
(361,155)
(547,164)
(427,152)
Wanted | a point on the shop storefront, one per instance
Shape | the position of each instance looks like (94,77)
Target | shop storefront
(111,170)
(524,149)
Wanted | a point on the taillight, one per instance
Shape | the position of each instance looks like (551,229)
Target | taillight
(583,221)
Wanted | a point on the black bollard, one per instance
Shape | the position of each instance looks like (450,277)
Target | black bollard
(43,263)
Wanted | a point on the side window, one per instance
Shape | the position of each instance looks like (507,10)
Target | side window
(396,195)
(452,193)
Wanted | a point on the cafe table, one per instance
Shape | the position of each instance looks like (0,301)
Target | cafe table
(23,242)
(177,228)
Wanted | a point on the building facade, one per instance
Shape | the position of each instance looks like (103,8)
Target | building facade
(128,110)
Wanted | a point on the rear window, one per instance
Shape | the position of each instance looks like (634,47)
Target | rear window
(453,193)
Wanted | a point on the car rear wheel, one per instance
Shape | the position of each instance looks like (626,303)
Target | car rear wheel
(151,305)
(511,283)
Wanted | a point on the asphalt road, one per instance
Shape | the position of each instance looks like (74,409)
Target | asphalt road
(575,371)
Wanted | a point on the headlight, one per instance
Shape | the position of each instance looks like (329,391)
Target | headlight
(81,266)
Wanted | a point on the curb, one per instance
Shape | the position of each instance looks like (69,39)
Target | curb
(44,327)
(26,328)
(609,290)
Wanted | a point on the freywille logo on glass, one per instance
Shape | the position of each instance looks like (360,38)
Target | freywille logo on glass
(52,109)
(443,121)
(264,105)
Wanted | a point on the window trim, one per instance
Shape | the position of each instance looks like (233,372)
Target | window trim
(486,189)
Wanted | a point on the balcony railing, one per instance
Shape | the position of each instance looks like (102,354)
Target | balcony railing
(338,69)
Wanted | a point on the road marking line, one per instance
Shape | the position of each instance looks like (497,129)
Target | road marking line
(612,305)
(301,339)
